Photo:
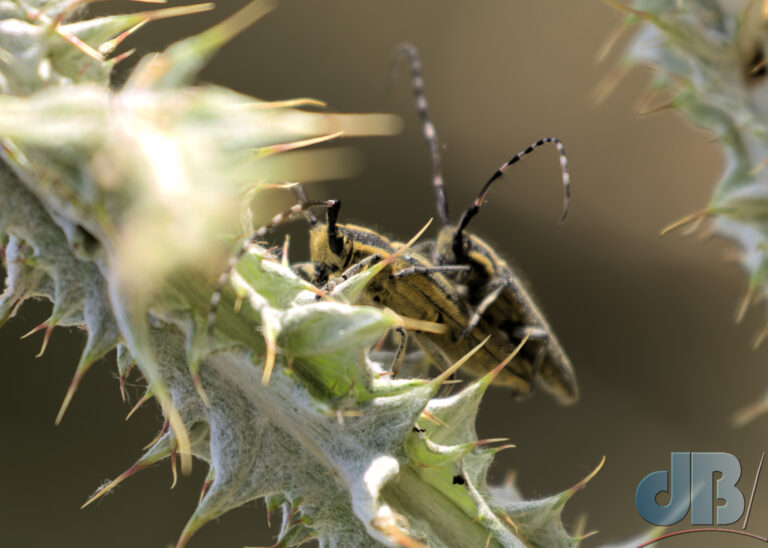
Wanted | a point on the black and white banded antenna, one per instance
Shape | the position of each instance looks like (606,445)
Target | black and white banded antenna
(409,51)
(565,176)
(301,196)
(262,231)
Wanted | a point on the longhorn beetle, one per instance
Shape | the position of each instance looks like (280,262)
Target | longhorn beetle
(490,285)
(410,285)
(414,286)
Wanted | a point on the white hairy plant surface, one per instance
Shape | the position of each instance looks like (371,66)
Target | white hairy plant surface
(115,205)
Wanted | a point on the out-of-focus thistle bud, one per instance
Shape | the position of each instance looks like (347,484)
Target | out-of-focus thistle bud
(709,64)
(113,205)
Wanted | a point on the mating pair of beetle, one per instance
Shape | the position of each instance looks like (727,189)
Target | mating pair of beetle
(457,280)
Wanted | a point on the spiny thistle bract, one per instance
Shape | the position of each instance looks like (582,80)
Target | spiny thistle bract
(710,65)
(112,203)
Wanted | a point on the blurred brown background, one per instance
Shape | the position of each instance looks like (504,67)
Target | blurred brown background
(647,321)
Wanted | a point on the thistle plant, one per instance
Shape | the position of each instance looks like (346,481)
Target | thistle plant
(709,64)
(113,203)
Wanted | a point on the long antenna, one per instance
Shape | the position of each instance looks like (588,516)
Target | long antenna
(280,218)
(409,51)
(301,196)
(566,178)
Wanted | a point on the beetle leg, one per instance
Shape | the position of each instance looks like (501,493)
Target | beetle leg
(541,354)
(487,301)
(352,270)
(370,260)
(400,353)
(430,270)
(532,331)
(536,367)
(414,363)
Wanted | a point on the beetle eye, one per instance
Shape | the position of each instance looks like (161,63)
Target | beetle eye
(321,273)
